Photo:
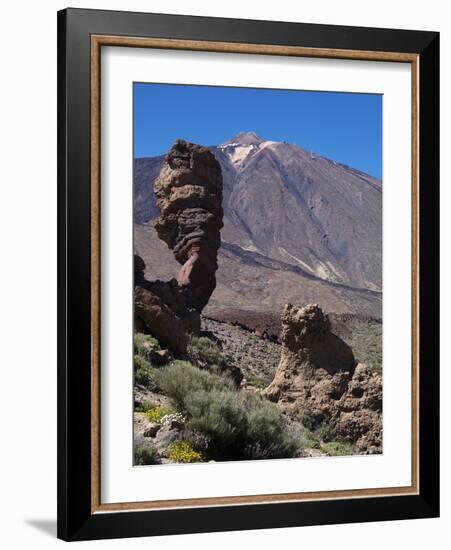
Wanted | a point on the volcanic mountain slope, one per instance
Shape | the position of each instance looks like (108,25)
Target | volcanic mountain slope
(297,227)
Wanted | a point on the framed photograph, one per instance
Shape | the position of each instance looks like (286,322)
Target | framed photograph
(248,274)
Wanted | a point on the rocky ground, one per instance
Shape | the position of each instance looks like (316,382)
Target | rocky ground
(256,356)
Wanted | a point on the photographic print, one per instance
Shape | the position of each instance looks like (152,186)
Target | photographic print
(257,274)
(248,257)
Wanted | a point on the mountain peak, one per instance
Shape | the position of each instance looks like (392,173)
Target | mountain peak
(245,138)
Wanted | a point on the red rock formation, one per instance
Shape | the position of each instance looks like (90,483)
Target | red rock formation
(189,196)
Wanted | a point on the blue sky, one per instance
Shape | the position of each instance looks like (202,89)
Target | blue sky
(344,127)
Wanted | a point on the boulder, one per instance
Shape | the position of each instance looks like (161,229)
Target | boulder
(151,429)
(171,326)
(360,418)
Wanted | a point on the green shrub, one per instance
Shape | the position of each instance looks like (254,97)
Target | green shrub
(149,349)
(325,432)
(239,425)
(307,438)
(181,450)
(321,431)
(268,436)
(142,341)
(221,417)
(145,455)
(205,350)
(307,420)
(156,413)
(144,372)
(338,448)
(181,379)
(259,379)
(144,406)
(233,424)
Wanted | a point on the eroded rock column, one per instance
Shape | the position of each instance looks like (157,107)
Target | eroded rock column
(189,196)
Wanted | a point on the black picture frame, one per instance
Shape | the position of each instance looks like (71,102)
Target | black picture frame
(76,521)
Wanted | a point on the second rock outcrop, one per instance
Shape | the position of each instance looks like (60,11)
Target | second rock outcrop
(317,376)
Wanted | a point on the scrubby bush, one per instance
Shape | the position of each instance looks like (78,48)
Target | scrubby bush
(258,379)
(156,413)
(325,432)
(307,438)
(232,424)
(181,450)
(147,347)
(221,417)
(239,425)
(206,350)
(144,372)
(143,341)
(145,455)
(181,379)
(268,436)
(338,448)
(308,421)
(313,432)
(144,406)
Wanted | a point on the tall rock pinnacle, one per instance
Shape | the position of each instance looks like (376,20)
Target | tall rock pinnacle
(189,197)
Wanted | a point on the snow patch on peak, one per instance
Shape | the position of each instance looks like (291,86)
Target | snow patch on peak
(244,145)
(270,144)
(238,153)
